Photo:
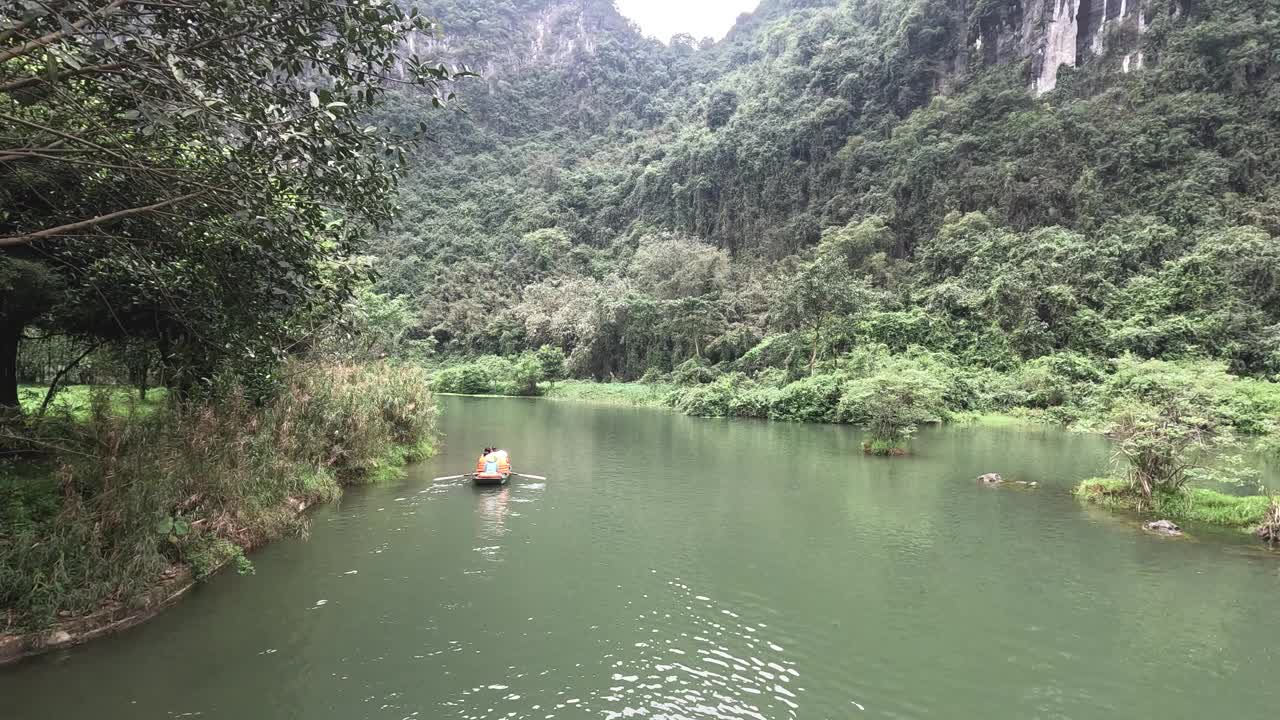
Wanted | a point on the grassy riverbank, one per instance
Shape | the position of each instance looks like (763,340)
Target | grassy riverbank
(107,502)
(892,393)
(635,394)
(1252,513)
(1164,416)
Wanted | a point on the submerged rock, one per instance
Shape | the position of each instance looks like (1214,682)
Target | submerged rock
(58,637)
(990,479)
(1163,527)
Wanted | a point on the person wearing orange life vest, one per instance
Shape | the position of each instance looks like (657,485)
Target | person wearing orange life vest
(483,464)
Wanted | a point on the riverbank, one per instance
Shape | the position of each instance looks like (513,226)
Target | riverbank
(122,502)
(632,394)
(890,396)
(1255,514)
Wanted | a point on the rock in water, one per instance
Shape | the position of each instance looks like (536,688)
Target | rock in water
(58,637)
(990,479)
(1164,527)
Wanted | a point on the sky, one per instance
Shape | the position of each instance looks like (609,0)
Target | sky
(699,18)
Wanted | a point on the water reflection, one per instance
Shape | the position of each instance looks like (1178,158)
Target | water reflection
(494,506)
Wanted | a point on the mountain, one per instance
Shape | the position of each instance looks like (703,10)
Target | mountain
(997,180)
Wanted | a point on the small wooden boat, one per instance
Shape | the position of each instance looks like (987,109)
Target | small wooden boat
(493,469)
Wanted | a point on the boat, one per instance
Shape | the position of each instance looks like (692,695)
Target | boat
(493,469)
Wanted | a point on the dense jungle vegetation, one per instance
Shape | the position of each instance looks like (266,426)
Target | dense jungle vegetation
(821,188)
(825,217)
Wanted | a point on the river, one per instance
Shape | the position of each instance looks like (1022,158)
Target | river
(672,567)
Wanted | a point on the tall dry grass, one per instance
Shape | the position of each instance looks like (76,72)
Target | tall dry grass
(129,495)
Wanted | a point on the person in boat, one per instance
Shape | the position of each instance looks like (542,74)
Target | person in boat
(491,460)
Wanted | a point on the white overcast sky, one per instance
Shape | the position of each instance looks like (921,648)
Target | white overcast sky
(699,18)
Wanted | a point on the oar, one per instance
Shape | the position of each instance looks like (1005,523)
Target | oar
(448,477)
(531,477)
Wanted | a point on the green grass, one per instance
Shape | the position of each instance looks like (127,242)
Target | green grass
(76,400)
(995,420)
(633,393)
(1194,505)
(391,465)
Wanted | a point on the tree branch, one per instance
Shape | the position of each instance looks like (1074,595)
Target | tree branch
(57,35)
(53,386)
(5,35)
(19,240)
(37,80)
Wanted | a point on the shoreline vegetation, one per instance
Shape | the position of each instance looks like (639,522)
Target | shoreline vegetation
(1177,425)
(114,502)
(1254,514)
(198,219)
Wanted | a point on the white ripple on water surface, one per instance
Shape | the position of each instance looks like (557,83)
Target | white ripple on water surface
(701,663)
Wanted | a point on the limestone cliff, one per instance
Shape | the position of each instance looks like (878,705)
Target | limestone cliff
(1050,34)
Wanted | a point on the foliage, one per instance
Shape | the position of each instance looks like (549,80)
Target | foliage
(493,375)
(202,186)
(812,399)
(551,361)
(196,483)
(1169,424)
(626,394)
(893,402)
(1183,505)
(803,188)
(375,326)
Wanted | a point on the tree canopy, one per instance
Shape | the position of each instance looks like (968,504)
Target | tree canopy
(200,175)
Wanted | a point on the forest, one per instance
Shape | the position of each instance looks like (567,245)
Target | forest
(839,214)
(267,228)
(806,187)
(825,190)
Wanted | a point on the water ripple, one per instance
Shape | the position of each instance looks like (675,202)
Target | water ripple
(711,660)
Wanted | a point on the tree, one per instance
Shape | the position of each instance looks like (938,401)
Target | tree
(27,289)
(198,174)
(1171,424)
(552,360)
(830,284)
(526,373)
(892,403)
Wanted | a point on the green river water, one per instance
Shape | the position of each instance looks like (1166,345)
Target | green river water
(672,567)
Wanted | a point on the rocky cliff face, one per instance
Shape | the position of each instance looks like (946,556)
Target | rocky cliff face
(1049,34)
(502,39)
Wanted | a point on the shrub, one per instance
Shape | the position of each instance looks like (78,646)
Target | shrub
(465,379)
(197,482)
(981,390)
(704,400)
(1269,529)
(892,403)
(1172,423)
(755,402)
(526,373)
(552,361)
(812,399)
(652,376)
(1064,379)
(694,371)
